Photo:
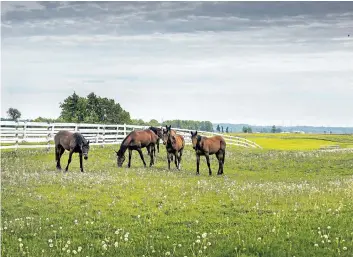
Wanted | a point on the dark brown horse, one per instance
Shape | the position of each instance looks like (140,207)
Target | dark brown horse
(174,145)
(135,141)
(207,146)
(164,133)
(73,142)
(159,133)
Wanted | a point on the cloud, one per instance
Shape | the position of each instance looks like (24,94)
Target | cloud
(194,58)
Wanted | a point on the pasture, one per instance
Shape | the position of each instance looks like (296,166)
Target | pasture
(283,200)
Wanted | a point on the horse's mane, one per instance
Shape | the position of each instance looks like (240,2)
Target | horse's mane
(154,129)
(123,145)
(80,140)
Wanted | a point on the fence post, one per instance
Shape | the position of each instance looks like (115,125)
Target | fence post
(24,131)
(16,135)
(97,134)
(103,136)
(124,129)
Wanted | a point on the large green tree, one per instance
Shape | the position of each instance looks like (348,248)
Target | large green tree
(13,114)
(93,109)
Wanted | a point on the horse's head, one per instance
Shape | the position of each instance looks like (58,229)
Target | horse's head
(120,158)
(194,139)
(165,134)
(85,149)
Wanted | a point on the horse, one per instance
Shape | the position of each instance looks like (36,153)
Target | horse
(164,132)
(135,141)
(174,145)
(159,133)
(73,142)
(207,146)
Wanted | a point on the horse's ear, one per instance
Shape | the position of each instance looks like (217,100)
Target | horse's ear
(170,126)
(196,133)
(191,133)
(88,142)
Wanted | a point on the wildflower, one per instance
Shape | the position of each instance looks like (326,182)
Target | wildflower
(68,242)
(328,227)
(198,241)
(20,239)
(116,244)
(205,247)
(167,253)
(79,249)
(68,251)
(21,245)
(60,227)
(116,232)
(179,245)
(326,236)
(200,251)
(344,248)
(259,239)
(66,245)
(126,239)
(50,240)
(204,235)
(316,245)
(51,245)
(74,252)
(208,243)
(105,247)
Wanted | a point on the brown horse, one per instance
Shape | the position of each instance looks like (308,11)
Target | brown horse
(135,141)
(164,133)
(208,146)
(73,142)
(174,145)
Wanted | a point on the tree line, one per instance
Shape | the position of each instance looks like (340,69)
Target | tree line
(101,110)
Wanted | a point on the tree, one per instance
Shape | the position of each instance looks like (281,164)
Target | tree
(227,131)
(273,129)
(245,129)
(93,109)
(14,114)
(222,129)
(218,128)
(153,123)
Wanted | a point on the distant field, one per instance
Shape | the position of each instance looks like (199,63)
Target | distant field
(268,203)
(298,141)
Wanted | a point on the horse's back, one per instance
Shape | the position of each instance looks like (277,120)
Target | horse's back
(215,144)
(63,138)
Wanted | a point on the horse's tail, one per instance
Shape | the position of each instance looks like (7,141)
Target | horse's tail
(224,156)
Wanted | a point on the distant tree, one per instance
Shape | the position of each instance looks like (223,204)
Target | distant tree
(218,128)
(222,129)
(93,109)
(153,123)
(227,131)
(245,129)
(13,114)
(278,130)
(273,129)
(249,129)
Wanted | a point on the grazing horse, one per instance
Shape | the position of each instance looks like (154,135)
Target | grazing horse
(207,146)
(135,141)
(174,145)
(73,142)
(159,133)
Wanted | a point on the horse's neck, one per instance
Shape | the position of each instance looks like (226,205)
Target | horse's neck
(123,149)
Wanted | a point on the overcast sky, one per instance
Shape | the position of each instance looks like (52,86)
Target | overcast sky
(288,63)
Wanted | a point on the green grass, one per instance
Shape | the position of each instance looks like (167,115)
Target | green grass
(268,203)
(298,141)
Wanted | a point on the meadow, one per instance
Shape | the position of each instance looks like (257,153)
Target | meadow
(283,200)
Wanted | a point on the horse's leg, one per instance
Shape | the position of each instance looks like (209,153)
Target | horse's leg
(180,154)
(60,150)
(141,155)
(153,151)
(176,159)
(158,145)
(220,164)
(223,157)
(197,164)
(208,163)
(130,154)
(57,157)
(168,157)
(68,162)
(81,166)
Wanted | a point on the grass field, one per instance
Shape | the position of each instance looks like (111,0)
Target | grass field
(269,203)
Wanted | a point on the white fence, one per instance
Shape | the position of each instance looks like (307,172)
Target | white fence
(14,134)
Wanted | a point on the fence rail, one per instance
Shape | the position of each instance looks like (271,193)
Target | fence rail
(14,134)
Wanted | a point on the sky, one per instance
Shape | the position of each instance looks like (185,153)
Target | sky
(261,63)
